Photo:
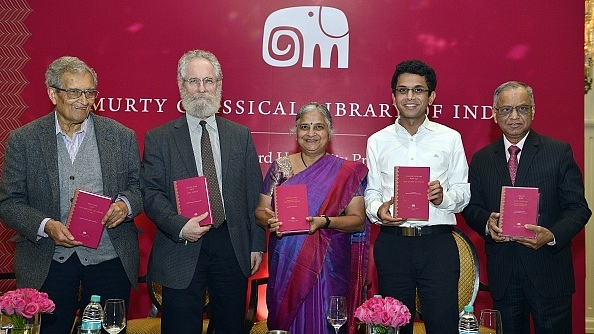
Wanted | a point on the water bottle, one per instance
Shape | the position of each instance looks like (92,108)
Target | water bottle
(92,316)
(468,323)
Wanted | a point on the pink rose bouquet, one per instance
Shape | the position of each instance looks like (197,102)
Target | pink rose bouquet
(24,303)
(383,313)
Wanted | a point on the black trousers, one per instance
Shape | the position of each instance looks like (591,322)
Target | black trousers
(522,299)
(217,269)
(430,264)
(107,279)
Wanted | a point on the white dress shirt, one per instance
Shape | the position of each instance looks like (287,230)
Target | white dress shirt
(435,146)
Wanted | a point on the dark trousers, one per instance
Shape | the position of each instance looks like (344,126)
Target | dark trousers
(217,269)
(522,299)
(430,264)
(107,279)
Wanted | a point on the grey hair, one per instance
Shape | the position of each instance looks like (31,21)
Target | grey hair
(314,106)
(54,72)
(182,65)
(512,85)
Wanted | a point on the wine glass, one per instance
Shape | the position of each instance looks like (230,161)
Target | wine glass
(490,322)
(337,315)
(115,316)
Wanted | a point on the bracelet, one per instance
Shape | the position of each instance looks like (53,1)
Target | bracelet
(327,221)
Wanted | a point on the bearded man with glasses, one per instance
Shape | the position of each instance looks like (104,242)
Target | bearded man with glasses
(46,161)
(528,276)
(187,257)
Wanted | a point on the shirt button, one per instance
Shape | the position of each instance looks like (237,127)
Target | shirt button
(61,258)
(72,177)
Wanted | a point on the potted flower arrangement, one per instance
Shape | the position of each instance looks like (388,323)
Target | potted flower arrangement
(383,315)
(23,307)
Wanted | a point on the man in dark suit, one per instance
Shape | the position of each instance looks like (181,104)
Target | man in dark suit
(186,258)
(45,161)
(528,276)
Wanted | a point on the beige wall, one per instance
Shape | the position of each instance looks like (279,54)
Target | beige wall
(589,180)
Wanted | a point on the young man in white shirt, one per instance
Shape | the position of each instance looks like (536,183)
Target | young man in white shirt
(418,255)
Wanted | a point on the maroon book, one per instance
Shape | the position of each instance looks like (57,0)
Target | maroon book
(84,219)
(519,206)
(192,198)
(291,207)
(410,192)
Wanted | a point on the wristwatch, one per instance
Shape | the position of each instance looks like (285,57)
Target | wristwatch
(327,221)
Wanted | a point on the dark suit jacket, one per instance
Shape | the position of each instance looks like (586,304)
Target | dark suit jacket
(30,192)
(545,163)
(168,156)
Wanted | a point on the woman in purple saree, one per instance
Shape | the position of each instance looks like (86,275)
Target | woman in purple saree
(306,269)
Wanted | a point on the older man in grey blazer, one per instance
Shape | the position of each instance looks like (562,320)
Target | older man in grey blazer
(45,162)
(186,257)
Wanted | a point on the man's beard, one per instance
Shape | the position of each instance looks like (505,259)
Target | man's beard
(201,105)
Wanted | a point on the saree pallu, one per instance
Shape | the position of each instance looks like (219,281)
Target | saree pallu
(305,270)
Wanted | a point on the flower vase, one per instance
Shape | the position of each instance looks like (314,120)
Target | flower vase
(381,329)
(28,326)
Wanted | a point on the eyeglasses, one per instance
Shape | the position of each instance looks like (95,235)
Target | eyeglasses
(207,82)
(405,90)
(75,93)
(522,109)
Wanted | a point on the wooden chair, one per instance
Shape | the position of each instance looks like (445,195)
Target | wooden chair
(251,326)
(468,283)
(152,323)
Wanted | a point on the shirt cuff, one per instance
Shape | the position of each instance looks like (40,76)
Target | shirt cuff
(372,213)
(41,231)
(552,243)
(125,200)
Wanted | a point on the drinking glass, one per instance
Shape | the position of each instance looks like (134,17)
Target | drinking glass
(490,322)
(337,315)
(115,316)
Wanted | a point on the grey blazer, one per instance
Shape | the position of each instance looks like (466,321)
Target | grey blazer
(30,192)
(168,156)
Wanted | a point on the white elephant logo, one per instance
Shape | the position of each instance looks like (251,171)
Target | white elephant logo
(305,28)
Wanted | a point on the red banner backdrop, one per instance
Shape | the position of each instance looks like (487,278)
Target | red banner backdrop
(278,55)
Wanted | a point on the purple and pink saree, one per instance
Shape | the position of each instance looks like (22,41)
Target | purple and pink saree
(305,270)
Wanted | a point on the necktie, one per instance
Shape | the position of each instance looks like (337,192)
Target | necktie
(512,163)
(209,170)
